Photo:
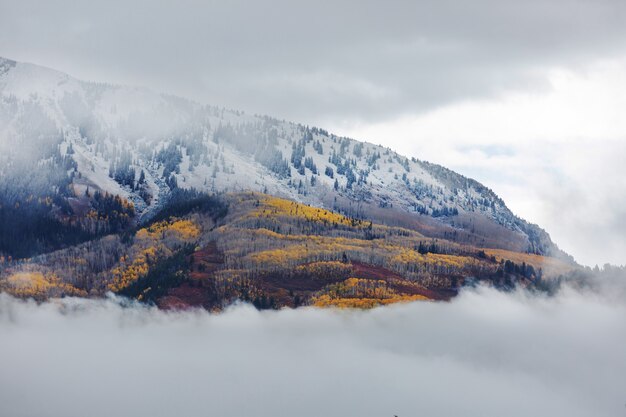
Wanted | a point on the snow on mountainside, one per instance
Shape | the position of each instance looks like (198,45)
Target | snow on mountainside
(140,145)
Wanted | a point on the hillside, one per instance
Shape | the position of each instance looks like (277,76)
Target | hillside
(207,251)
(80,160)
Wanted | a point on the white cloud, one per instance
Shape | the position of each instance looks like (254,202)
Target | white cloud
(555,157)
(483,354)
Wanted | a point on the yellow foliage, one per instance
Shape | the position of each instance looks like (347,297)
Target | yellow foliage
(37,285)
(322,247)
(324,267)
(405,255)
(123,277)
(186,229)
(363,303)
(273,207)
(158,240)
(182,229)
(360,293)
(33,280)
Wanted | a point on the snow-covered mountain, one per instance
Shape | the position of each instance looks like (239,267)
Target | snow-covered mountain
(140,145)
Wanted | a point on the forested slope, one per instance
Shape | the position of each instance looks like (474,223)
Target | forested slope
(211,250)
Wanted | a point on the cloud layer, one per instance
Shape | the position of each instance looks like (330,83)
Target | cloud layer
(316,62)
(483,354)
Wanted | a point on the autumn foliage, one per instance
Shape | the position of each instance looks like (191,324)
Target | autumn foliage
(267,251)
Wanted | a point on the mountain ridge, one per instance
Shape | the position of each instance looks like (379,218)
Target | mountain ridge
(141,145)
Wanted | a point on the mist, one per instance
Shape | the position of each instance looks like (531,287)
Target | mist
(485,353)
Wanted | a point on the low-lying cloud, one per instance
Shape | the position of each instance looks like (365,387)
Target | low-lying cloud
(484,354)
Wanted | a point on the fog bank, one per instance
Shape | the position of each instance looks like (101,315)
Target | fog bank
(484,354)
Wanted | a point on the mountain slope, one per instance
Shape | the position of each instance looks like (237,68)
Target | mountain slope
(62,141)
(207,251)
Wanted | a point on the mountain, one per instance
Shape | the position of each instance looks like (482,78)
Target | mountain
(82,160)
(210,251)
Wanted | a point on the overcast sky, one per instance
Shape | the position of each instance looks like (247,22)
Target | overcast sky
(527,97)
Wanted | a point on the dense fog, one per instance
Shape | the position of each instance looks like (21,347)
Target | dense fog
(486,353)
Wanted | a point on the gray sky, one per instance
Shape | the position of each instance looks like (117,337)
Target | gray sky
(486,354)
(483,87)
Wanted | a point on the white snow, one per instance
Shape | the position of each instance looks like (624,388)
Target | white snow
(137,119)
